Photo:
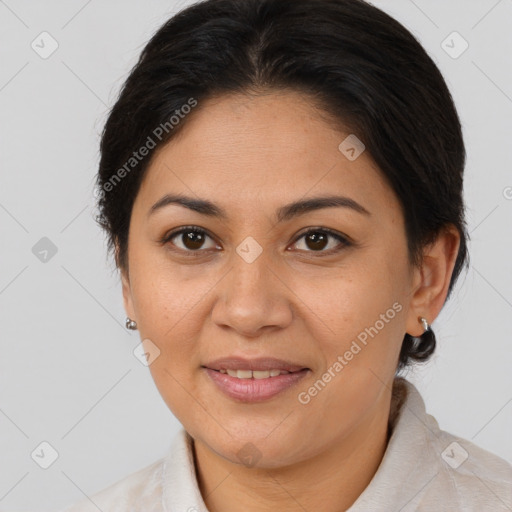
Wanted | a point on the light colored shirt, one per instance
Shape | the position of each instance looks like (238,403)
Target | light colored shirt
(423,469)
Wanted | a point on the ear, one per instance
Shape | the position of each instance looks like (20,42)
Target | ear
(126,288)
(432,280)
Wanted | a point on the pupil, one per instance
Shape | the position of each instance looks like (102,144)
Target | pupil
(319,241)
(193,240)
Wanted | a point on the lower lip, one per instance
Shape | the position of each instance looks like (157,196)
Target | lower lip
(254,390)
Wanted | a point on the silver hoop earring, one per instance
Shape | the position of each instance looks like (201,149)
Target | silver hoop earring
(423,320)
(131,324)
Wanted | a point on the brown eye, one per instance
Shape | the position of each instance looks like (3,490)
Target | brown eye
(189,239)
(192,239)
(316,240)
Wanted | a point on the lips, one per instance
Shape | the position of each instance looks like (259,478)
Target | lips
(256,364)
(254,389)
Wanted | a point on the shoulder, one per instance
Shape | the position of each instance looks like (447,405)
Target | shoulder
(461,475)
(469,476)
(141,489)
(170,480)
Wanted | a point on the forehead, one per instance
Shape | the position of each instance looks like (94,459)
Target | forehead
(273,148)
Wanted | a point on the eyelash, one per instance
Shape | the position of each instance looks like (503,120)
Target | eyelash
(344,243)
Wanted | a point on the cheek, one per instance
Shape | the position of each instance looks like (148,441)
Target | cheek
(360,352)
(173,379)
(164,295)
(349,300)
(360,334)
(167,315)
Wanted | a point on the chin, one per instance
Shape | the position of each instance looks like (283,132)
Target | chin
(255,447)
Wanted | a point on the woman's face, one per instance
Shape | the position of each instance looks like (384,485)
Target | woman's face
(253,283)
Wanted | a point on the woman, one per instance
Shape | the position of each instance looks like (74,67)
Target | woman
(281,182)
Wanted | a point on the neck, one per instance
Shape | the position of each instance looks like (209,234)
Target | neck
(330,481)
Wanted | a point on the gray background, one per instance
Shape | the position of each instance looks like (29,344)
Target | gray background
(67,372)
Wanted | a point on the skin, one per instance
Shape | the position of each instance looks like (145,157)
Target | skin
(251,155)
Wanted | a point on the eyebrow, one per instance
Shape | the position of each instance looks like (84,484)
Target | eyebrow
(284,213)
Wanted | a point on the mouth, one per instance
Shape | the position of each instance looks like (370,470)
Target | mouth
(246,368)
(255,374)
(254,380)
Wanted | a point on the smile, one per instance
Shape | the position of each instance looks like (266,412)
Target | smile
(256,374)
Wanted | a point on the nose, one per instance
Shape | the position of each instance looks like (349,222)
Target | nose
(252,298)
